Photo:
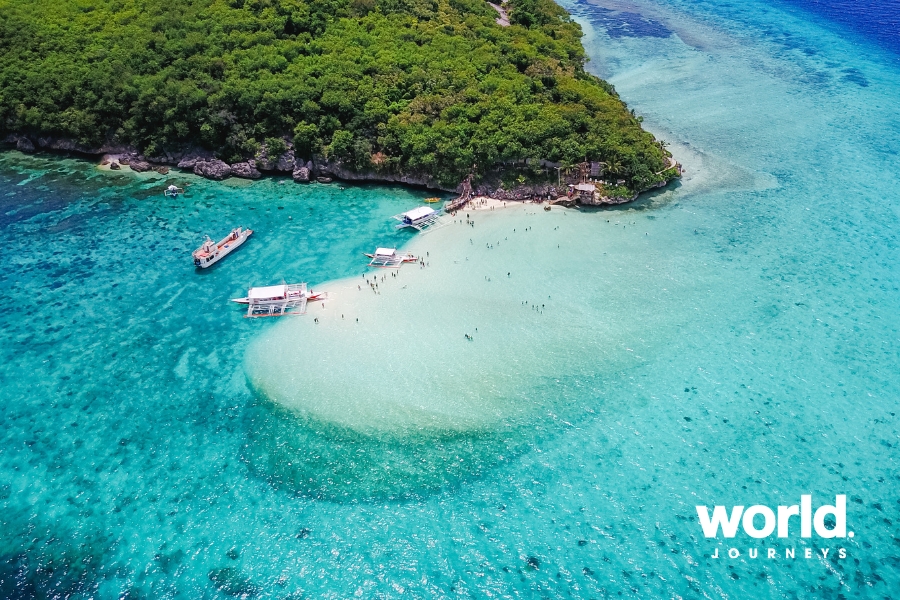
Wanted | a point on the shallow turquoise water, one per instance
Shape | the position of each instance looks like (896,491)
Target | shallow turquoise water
(737,343)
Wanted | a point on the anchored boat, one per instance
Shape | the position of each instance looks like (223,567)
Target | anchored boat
(278,300)
(422,218)
(173,190)
(210,252)
(389,258)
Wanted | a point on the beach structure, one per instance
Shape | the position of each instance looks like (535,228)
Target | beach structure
(584,191)
(420,218)
(389,258)
(465,195)
(278,300)
(210,252)
(456,204)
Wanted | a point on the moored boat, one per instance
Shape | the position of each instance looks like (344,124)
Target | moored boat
(267,296)
(173,191)
(210,252)
(389,258)
(421,218)
(278,300)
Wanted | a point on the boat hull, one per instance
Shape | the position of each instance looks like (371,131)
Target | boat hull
(224,249)
(309,297)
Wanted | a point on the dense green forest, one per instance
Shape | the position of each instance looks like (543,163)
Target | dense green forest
(434,86)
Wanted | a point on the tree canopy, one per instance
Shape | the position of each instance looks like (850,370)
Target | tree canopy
(435,86)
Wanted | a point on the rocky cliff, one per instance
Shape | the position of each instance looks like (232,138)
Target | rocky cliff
(203,163)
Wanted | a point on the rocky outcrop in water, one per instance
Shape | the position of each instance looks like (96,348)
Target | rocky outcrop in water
(283,163)
(139,166)
(190,159)
(212,169)
(301,175)
(23,144)
(246,170)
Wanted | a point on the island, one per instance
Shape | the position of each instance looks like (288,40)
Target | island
(458,95)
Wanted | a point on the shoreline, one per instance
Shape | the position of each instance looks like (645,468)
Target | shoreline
(201,163)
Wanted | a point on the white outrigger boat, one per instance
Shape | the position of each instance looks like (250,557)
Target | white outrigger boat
(278,300)
(389,258)
(420,218)
(210,252)
(173,191)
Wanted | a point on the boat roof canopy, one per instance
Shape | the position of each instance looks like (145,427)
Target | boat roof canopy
(271,291)
(385,251)
(418,213)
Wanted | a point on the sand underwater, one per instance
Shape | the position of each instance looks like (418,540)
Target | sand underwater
(732,339)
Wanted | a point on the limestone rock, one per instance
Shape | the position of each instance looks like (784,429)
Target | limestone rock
(114,166)
(247,170)
(190,159)
(301,175)
(264,162)
(212,169)
(139,166)
(285,162)
(23,144)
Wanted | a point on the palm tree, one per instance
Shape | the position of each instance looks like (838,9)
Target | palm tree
(614,166)
(566,166)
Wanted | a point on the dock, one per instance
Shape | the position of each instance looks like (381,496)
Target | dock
(466,194)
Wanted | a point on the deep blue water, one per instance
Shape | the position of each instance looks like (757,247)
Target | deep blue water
(876,20)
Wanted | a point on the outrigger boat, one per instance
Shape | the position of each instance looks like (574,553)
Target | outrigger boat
(421,218)
(278,300)
(173,191)
(389,258)
(210,252)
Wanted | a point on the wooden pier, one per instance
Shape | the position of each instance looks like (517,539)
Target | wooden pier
(465,195)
